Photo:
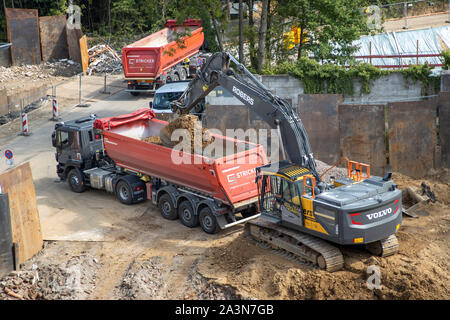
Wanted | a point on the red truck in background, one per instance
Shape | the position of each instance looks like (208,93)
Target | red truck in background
(214,192)
(170,54)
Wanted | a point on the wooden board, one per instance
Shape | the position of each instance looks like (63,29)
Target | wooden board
(53,37)
(73,43)
(3,102)
(23,34)
(84,53)
(25,223)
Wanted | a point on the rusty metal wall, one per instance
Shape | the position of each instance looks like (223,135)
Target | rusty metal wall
(412,136)
(319,114)
(53,37)
(227,117)
(444,127)
(6,244)
(23,33)
(362,135)
(73,43)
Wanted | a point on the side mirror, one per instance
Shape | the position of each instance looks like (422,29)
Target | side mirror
(54,139)
(150,105)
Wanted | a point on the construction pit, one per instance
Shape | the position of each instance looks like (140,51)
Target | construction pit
(97,248)
(143,256)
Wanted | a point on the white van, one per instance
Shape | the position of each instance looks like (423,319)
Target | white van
(170,92)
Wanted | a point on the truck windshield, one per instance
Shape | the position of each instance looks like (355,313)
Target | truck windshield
(161,100)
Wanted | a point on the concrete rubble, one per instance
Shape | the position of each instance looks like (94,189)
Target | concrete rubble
(104,59)
(62,67)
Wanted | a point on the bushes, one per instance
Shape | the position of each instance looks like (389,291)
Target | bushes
(446,56)
(331,78)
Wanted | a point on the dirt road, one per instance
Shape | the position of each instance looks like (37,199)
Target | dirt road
(97,248)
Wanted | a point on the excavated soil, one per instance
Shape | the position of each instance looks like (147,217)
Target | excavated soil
(153,139)
(198,136)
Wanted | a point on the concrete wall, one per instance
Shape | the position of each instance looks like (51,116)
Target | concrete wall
(393,87)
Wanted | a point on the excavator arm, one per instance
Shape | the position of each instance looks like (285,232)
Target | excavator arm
(276,112)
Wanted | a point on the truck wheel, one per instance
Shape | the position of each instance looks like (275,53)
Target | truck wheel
(166,207)
(124,193)
(208,221)
(183,73)
(134,93)
(186,214)
(76,181)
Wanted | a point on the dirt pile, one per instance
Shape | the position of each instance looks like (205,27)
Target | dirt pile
(336,172)
(153,139)
(193,136)
(438,180)
(148,280)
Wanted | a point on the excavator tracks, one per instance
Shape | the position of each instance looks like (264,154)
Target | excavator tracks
(385,247)
(298,245)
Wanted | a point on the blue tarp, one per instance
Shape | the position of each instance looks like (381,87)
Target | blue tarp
(432,40)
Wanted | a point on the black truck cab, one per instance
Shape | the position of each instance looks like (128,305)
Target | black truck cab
(81,162)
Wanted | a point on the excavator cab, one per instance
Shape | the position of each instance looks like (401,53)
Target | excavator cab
(286,194)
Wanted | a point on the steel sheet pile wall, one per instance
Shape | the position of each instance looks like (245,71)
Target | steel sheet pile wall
(227,117)
(412,136)
(319,114)
(23,33)
(362,135)
(6,246)
(53,37)
(73,42)
(444,127)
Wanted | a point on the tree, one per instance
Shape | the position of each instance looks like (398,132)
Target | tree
(262,35)
(251,35)
(327,27)
(241,37)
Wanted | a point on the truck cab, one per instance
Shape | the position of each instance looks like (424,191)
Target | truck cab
(81,162)
(76,144)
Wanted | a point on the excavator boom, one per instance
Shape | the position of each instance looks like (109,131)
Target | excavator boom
(276,112)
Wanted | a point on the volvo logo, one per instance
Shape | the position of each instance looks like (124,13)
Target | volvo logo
(378,214)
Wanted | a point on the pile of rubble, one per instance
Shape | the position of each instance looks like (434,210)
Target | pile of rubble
(62,68)
(73,279)
(103,59)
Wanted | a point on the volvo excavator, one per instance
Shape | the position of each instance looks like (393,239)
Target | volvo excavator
(301,214)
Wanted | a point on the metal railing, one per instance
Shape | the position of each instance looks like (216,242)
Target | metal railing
(78,94)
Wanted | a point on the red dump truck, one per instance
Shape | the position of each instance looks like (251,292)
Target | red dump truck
(170,54)
(216,192)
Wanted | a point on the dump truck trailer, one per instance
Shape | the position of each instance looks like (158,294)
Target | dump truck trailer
(170,54)
(216,192)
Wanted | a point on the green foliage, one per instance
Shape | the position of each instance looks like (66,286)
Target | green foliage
(330,26)
(332,78)
(329,78)
(422,73)
(126,17)
(446,56)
